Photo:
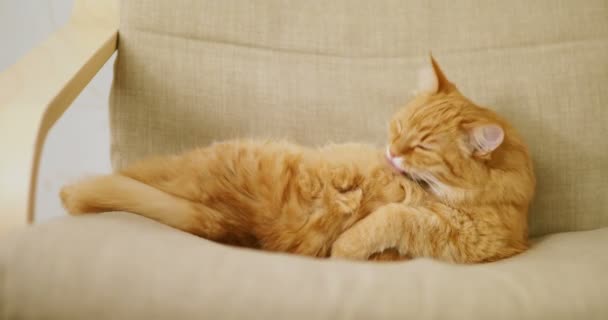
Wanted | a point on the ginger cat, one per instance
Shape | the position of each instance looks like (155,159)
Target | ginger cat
(454,183)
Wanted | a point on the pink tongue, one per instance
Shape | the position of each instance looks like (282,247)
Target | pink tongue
(390,160)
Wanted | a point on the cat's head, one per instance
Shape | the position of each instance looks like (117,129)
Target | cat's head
(443,139)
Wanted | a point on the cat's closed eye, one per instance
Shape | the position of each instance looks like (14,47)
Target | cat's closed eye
(424,147)
(395,130)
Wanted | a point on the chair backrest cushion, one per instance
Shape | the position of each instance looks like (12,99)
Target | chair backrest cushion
(191,72)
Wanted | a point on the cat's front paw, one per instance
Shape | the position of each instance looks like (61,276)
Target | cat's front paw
(344,178)
(388,255)
(345,249)
(348,202)
(309,185)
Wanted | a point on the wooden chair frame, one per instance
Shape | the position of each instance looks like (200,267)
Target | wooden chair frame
(36,91)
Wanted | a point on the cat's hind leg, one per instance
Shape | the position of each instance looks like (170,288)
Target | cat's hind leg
(120,193)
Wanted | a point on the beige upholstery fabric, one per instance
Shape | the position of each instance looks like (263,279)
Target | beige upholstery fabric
(190,72)
(122,266)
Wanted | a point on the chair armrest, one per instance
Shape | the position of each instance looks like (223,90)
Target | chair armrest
(36,91)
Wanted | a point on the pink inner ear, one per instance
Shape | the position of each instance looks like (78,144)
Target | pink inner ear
(493,133)
(488,137)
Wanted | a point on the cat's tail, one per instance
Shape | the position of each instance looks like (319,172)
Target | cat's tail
(120,193)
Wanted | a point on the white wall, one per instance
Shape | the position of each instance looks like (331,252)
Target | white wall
(78,144)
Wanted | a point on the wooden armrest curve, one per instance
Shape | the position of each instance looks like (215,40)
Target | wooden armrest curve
(36,91)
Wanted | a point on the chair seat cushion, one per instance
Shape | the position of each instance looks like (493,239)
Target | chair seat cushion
(122,266)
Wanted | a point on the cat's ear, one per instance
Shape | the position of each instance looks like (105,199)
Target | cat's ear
(432,80)
(485,138)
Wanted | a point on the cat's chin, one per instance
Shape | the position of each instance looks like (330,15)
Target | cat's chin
(419,181)
(404,173)
(395,168)
(408,176)
(414,178)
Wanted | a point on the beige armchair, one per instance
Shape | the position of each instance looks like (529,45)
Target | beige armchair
(190,72)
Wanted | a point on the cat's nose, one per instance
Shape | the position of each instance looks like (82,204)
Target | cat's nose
(390,152)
